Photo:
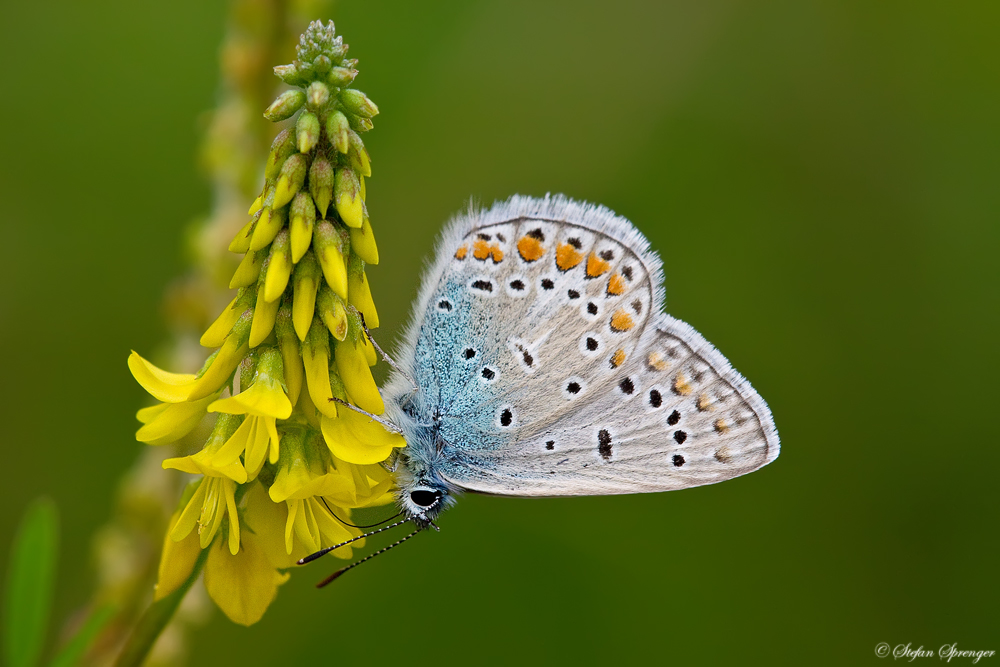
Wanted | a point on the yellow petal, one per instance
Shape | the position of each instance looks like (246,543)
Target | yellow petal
(177,561)
(255,206)
(216,334)
(300,231)
(363,242)
(262,398)
(276,279)
(316,360)
(359,295)
(229,357)
(244,585)
(291,363)
(350,209)
(264,315)
(353,368)
(164,386)
(169,422)
(304,302)
(188,517)
(241,242)
(267,228)
(331,259)
(248,271)
(355,438)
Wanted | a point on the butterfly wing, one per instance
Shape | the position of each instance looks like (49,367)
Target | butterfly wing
(547,368)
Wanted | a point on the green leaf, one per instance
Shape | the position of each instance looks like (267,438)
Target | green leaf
(75,648)
(30,578)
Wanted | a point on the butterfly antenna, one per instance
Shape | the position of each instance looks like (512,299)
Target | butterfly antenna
(389,426)
(334,515)
(368,557)
(385,356)
(322,552)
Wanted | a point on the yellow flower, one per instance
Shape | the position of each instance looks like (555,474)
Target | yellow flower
(263,403)
(217,458)
(243,584)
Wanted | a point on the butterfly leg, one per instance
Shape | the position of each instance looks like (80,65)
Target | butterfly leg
(385,356)
(389,426)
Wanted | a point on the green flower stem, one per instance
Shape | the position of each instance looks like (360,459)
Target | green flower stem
(155,619)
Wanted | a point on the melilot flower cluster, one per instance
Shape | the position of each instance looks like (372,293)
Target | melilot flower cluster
(285,456)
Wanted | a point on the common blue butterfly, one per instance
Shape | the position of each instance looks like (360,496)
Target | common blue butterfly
(544,365)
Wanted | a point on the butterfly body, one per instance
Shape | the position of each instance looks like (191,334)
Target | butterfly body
(545,366)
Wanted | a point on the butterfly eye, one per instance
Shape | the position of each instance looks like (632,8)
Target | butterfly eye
(424,497)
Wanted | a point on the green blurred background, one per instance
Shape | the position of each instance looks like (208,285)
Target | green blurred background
(821,182)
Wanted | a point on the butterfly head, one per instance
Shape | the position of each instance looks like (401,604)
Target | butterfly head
(424,500)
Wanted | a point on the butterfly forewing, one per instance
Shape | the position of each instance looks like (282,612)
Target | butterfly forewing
(542,356)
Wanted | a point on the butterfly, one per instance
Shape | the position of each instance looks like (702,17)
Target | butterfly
(539,362)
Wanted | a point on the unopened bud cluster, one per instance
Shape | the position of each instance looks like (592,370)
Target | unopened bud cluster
(291,346)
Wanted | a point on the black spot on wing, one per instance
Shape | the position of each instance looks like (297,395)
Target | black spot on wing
(604,444)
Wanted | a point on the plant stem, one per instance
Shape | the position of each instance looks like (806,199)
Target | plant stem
(155,619)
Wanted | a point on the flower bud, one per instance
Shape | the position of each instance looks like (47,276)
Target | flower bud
(322,64)
(290,75)
(279,269)
(291,359)
(307,131)
(358,103)
(216,333)
(290,179)
(264,312)
(359,294)
(341,76)
(286,105)
(337,128)
(333,312)
(303,213)
(282,146)
(329,248)
(359,124)
(241,242)
(363,241)
(316,360)
(249,269)
(271,222)
(347,197)
(318,94)
(321,184)
(305,283)
(358,154)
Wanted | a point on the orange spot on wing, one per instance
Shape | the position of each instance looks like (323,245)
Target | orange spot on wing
(681,385)
(657,362)
(621,321)
(462,252)
(596,266)
(482,251)
(618,358)
(567,257)
(616,285)
(704,402)
(530,248)
(721,426)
